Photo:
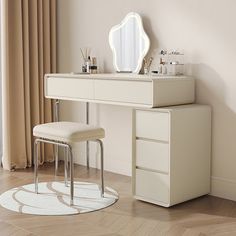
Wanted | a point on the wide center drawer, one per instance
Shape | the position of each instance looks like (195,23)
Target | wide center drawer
(124,91)
(152,155)
(152,186)
(152,125)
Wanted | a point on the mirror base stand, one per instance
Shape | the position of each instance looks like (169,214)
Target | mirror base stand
(128,71)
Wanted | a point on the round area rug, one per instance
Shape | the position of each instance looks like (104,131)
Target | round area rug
(54,198)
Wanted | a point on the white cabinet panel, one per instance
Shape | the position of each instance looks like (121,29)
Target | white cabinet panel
(152,155)
(167,173)
(69,88)
(124,91)
(152,185)
(152,125)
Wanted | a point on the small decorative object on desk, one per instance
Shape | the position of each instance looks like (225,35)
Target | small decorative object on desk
(176,63)
(171,63)
(89,66)
(94,67)
(146,65)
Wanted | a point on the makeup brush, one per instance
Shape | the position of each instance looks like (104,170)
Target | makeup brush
(149,62)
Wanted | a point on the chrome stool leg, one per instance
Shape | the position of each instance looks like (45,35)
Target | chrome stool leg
(36,165)
(66,165)
(56,147)
(56,150)
(71,176)
(69,150)
(87,142)
(102,166)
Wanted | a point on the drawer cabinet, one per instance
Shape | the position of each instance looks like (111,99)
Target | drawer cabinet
(171,157)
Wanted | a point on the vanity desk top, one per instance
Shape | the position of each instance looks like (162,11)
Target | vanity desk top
(121,89)
(121,76)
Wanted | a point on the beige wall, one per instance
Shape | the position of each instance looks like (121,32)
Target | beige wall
(205,29)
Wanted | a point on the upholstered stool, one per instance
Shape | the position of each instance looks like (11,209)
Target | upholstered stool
(64,134)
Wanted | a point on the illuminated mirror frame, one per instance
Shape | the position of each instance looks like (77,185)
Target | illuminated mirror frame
(143,35)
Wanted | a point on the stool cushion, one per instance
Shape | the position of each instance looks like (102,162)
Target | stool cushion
(68,132)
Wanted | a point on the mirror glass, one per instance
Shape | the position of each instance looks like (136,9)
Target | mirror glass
(129,44)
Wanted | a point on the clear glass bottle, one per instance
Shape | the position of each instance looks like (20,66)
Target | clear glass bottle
(88,65)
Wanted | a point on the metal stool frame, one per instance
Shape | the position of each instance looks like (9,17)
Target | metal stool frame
(56,109)
(67,148)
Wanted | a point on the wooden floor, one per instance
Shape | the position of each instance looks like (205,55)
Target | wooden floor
(203,216)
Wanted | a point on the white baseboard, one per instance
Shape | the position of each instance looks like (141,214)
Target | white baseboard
(224,188)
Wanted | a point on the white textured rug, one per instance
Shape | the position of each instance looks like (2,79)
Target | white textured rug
(54,198)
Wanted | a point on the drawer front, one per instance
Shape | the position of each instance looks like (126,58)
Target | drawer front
(152,185)
(152,155)
(152,125)
(69,88)
(124,91)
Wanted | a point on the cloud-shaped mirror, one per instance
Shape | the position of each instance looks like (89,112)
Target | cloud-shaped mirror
(129,44)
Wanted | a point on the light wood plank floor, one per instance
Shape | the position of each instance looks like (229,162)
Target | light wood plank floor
(203,216)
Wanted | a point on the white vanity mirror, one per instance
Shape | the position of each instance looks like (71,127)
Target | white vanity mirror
(129,44)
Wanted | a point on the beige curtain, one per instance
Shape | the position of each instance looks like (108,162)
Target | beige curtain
(28,36)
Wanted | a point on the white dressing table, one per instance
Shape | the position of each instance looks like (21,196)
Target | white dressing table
(171,145)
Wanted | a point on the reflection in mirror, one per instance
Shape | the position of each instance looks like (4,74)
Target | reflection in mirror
(129,44)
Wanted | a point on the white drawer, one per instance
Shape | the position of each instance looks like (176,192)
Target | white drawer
(124,91)
(152,185)
(152,125)
(70,88)
(152,155)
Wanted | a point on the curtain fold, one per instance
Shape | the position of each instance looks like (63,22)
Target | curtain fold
(28,52)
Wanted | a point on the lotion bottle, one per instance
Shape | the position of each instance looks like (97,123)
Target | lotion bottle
(160,67)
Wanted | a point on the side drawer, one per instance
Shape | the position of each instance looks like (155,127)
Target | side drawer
(152,185)
(152,155)
(152,125)
(70,88)
(124,91)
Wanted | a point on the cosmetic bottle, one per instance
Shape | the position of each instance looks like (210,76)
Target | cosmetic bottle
(88,65)
(164,68)
(160,67)
(145,70)
(84,68)
(93,67)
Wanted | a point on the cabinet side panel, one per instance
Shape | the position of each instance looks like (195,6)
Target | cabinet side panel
(190,153)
